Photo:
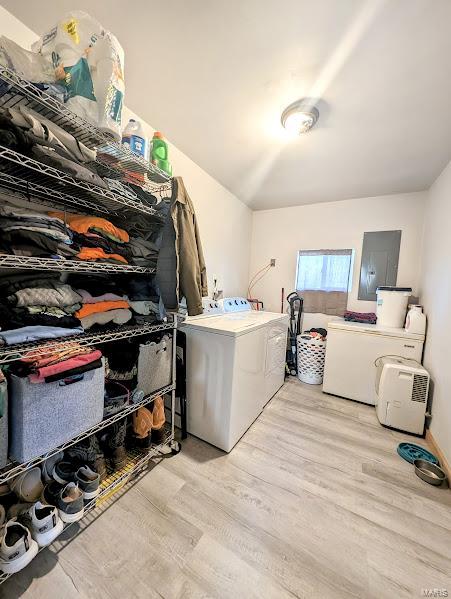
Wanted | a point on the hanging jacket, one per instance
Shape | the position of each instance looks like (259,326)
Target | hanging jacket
(181,266)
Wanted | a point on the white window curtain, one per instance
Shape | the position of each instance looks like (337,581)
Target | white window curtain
(323,280)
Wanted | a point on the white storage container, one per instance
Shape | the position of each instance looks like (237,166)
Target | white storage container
(416,320)
(392,305)
(311,357)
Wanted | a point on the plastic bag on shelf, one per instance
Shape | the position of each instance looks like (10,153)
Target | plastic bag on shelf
(89,62)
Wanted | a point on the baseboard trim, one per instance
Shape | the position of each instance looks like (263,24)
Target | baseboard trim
(441,456)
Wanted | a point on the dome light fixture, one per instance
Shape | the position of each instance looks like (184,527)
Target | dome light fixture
(300,116)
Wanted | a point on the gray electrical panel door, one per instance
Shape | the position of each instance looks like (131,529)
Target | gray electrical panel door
(380,254)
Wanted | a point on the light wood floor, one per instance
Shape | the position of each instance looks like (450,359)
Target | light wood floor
(313,502)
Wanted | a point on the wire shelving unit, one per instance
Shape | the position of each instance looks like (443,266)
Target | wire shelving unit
(40,183)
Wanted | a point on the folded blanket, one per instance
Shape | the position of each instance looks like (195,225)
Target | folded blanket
(120,316)
(69,364)
(364,317)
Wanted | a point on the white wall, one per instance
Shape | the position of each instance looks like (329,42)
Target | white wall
(281,233)
(435,295)
(225,222)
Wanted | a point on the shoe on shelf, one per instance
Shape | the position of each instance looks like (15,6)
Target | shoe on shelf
(28,485)
(158,435)
(2,515)
(17,547)
(51,492)
(42,521)
(70,503)
(114,444)
(7,497)
(48,465)
(100,466)
(17,509)
(88,482)
(119,457)
(64,471)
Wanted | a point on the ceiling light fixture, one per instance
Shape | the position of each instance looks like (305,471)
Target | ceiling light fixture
(300,116)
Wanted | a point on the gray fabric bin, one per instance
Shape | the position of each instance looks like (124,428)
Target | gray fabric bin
(3,423)
(46,415)
(154,365)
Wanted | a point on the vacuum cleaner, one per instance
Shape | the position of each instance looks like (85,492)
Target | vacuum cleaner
(295,303)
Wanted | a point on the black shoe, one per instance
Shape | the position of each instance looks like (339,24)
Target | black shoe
(70,503)
(88,482)
(64,471)
(51,493)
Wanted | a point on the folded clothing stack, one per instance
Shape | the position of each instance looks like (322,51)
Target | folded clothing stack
(39,308)
(98,239)
(28,233)
(102,309)
(145,299)
(61,364)
(364,317)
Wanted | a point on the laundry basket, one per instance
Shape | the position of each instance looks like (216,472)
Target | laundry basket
(311,356)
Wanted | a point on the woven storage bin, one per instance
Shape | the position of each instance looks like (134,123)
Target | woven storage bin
(3,424)
(45,415)
(311,356)
(154,365)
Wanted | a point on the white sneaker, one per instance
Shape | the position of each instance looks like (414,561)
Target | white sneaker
(17,548)
(42,521)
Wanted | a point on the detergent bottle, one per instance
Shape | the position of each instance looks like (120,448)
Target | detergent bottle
(160,153)
(133,135)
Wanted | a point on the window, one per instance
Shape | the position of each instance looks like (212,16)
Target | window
(323,280)
(324,270)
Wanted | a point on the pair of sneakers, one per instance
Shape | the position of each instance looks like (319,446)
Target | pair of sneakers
(84,477)
(25,529)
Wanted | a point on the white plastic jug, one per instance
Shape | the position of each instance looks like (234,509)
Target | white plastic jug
(392,305)
(134,136)
(416,320)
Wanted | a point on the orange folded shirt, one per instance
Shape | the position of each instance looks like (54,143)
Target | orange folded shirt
(82,224)
(98,254)
(88,309)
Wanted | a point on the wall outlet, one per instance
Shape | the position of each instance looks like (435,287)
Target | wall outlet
(272,262)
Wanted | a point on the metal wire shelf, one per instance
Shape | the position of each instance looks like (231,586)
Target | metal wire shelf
(137,461)
(13,469)
(23,167)
(33,192)
(11,353)
(15,91)
(34,263)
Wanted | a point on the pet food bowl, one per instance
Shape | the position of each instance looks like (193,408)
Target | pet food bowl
(430,473)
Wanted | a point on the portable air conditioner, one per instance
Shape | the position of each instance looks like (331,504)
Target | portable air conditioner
(402,390)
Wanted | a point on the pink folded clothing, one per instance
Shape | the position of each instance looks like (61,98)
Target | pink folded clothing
(75,362)
(87,298)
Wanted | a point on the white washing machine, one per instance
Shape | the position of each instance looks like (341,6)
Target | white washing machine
(352,349)
(235,364)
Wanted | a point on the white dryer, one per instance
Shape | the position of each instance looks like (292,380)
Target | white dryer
(235,363)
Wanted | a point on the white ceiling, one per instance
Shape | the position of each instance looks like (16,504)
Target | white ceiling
(214,76)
